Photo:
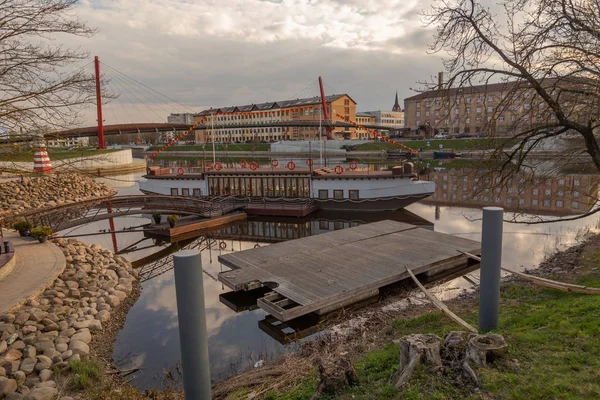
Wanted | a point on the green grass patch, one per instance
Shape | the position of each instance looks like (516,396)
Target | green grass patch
(54,154)
(86,372)
(554,350)
(218,147)
(456,144)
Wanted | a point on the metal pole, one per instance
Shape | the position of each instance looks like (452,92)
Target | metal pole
(213,138)
(192,324)
(491,260)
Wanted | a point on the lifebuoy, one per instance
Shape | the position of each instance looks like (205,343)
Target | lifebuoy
(180,171)
(291,165)
(223,245)
(310,161)
(338,169)
(274,163)
(208,168)
(353,165)
(253,165)
(243,163)
(218,166)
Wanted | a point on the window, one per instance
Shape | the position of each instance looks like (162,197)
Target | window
(427,103)
(521,202)
(323,194)
(427,113)
(174,192)
(559,204)
(490,109)
(490,98)
(197,192)
(468,110)
(346,110)
(418,113)
(437,102)
(185,192)
(437,112)
(338,194)
(535,192)
(534,202)
(468,100)
(418,123)
(346,102)
(353,194)
(479,99)
(547,192)
(457,111)
(577,182)
(546,203)
(501,118)
(464,196)
(457,101)
(418,104)
(561,181)
(560,193)
(576,194)
(478,110)
(575,204)
(468,121)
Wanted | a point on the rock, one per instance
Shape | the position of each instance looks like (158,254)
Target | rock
(113,301)
(79,348)
(103,316)
(43,363)
(12,355)
(37,315)
(62,347)
(65,355)
(22,317)
(12,338)
(18,345)
(29,329)
(45,374)
(74,357)
(29,352)
(7,386)
(14,396)
(68,332)
(82,335)
(19,377)
(43,345)
(6,327)
(28,365)
(3,346)
(11,366)
(81,324)
(42,393)
(2,372)
(8,318)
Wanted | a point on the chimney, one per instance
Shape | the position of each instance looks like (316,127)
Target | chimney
(440,80)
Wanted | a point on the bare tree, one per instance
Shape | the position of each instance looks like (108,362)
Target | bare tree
(544,58)
(38,84)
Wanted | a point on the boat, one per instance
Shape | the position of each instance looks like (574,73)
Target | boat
(326,188)
(438,155)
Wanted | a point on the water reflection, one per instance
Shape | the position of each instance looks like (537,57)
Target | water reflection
(150,336)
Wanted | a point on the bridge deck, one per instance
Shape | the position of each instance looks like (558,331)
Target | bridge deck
(324,272)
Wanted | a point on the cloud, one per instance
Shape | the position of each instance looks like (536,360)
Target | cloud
(209,53)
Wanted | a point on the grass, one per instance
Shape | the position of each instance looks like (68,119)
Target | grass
(554,350)
(86,372)
(218,147)
(54,154)
(456,144)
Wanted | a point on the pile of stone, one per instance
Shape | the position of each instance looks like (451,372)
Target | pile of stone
(56,327)
(18,196)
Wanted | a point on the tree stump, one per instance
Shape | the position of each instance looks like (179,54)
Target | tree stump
(485,348)
(333,377)
(414,349)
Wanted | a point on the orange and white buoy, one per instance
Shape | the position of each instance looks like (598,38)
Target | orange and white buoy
(41,161)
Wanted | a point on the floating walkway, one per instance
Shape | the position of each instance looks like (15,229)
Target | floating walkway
(322,273)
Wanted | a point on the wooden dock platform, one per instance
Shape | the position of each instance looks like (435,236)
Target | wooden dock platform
(193,226)
(319,274)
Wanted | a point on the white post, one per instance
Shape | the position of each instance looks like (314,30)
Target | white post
(191,313)
(320,138)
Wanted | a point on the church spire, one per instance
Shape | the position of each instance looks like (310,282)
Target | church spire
(396,105)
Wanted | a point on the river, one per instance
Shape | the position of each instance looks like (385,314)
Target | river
(150,340)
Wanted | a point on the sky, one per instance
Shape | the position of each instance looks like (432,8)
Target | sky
(204,53)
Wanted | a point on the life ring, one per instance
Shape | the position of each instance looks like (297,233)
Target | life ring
(338,169)
(274,163)
(218,166)
(180,171)
(257,246)
(291,165)
(310,162)
(353,165)
(223,245)
(208,168)
(253,165)
(243,164)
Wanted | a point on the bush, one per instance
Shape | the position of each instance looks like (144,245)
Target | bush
(85,372)
(155,215)
(172,218)
(40,232)
(22,226)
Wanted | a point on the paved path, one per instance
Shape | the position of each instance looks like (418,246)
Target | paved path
(37,266)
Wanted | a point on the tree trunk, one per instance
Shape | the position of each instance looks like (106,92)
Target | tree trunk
(485,348)
(334,377)
(423,348)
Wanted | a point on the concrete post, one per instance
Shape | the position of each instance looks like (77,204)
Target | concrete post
(491,259)
(192,324)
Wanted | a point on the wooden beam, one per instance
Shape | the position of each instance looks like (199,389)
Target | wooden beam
(441,305)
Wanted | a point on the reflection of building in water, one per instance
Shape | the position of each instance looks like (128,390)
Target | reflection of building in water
(561,195)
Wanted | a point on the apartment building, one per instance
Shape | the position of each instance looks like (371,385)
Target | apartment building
(259,122)
(181,118)
(363,118)
(497,109)
(69,142)
(560,195)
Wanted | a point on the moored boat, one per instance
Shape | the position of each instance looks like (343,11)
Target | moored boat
(328,188)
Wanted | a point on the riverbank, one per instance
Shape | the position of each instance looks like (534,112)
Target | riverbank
(554,346)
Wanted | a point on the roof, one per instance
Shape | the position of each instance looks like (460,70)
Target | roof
(364,114)
(274,105)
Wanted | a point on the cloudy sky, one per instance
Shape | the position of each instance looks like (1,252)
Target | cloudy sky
(206,53)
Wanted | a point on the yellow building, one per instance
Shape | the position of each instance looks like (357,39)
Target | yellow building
(262,122)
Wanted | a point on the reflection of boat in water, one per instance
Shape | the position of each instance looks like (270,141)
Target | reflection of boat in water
(405,155)
(328,188)
(444,155)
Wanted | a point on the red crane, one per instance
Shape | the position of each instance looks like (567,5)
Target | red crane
(328,129)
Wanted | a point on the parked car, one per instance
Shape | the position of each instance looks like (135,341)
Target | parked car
(441,135)
(462,135)
(482,134)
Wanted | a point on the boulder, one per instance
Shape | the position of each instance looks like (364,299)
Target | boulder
(42,393)
(7,386)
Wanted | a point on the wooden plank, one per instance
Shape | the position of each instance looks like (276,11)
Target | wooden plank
(441,305)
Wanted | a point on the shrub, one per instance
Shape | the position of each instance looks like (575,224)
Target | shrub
(40,232)
(172,218)
(22,226)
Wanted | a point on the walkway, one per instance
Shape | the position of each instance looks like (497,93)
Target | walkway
(37,266)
